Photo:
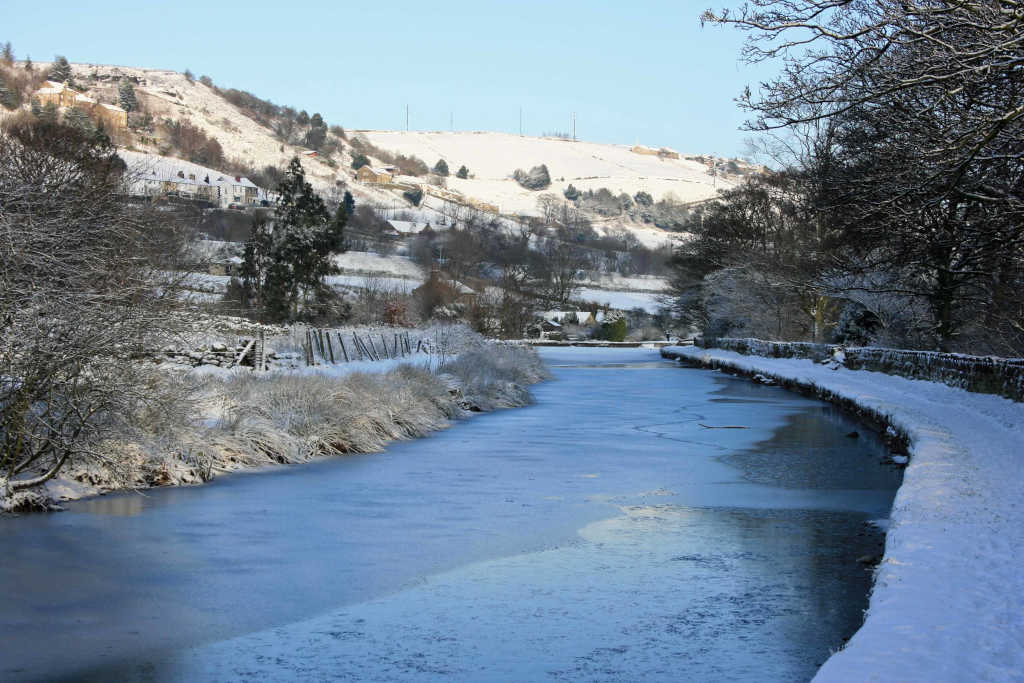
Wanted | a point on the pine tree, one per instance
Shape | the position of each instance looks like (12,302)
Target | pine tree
(303,118)
(292,257)
(48,113)
(358,161)
(77,118)
(441,168)
(61,70)
(126,94)
(463,172)
(28,64)
(8,54)
(317,121)
(349,203)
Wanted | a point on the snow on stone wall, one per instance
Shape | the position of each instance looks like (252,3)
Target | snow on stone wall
(982,374)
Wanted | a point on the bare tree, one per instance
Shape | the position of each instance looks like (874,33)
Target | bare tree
(925,102)
(83,285)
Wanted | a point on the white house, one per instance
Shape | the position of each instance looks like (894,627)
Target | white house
(149,175)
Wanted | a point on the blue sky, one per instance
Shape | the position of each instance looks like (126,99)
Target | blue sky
(641,71)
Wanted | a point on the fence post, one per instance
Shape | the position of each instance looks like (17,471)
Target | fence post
(307,349)
(330,348)
(343,349)
(373,346)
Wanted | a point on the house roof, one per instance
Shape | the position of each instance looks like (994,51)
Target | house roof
(407,227)
(376,171)
(152,167)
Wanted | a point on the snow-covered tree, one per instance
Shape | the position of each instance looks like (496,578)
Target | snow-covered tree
(60,71)
(126,95)
(288,258)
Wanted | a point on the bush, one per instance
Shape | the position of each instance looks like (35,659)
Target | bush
(463,172)
(614,330)
(415,196)
(537,179)
(441,168)
(358,161)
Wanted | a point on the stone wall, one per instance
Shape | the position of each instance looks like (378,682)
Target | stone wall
(982,374)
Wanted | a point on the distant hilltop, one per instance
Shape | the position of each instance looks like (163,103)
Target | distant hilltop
(236,134)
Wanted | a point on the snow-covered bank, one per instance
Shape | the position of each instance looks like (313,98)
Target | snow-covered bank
(236,419)
(948,602)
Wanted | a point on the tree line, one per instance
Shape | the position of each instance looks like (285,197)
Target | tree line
(895,215)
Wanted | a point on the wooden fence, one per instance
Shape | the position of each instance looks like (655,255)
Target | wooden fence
(323,347)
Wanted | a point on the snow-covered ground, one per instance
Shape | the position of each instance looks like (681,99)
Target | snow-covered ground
(492,158)
(619,299)
(948,602)
(368,262)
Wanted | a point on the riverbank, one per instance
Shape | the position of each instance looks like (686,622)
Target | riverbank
(233,420)
(948,599)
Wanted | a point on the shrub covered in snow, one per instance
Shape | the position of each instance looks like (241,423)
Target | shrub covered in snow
(538,177)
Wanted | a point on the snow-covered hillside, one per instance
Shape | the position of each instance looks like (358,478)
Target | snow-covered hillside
(492,158)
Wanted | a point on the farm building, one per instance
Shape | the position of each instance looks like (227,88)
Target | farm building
(369,174)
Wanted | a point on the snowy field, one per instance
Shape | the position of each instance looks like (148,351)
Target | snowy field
(948,602)
(621,300)
(493,157)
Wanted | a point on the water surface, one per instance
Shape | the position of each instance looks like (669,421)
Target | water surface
(613,531)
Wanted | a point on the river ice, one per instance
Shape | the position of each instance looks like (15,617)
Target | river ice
(603,534)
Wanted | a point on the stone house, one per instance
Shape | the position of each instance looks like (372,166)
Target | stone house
(369,174)
(62,96)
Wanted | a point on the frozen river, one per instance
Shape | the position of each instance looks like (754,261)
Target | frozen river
(613,531)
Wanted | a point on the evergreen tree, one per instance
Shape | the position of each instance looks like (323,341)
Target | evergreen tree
(8,54)
(349,203)
(290,259)
(28,64)
(126,94)
(303,118)
(358,161)
(61,70)
(463,172)
(571,193)
(315,137)
(48,113)
(77,118)
(441,168)
(317,121)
